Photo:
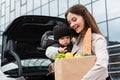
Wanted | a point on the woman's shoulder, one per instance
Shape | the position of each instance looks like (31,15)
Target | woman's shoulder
(96,36)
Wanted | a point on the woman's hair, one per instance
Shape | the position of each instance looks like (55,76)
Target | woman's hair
(81,10)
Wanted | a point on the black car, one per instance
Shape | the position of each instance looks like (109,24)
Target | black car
(22,51)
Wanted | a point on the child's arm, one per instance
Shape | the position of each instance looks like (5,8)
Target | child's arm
(51,51)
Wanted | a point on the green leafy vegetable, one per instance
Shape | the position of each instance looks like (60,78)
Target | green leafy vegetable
(59,56)
(87,54)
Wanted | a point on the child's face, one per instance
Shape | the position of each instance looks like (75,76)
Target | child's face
(64,41)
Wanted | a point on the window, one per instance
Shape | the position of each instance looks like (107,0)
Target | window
(2,27)
(17,9)
(103,28)
(114,31)
(7,3)
(2,20)
(53,8)
(12,5)
(72,2)
(113,8)
(29,5)
(99,11)
(23,2)
(7,16)
(3,9)
(45,10)
(85,2)
(36,3)
(44,2)
(12,15)
(23,10)
(2,1)
(62,6)
(37,11)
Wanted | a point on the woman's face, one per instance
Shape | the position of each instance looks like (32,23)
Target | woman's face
(76,22)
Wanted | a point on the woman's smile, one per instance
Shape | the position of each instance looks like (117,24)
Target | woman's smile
(76,28)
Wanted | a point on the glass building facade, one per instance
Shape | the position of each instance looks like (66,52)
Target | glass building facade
(106,13)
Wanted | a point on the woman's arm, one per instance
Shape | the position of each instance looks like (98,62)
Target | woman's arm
(99,70)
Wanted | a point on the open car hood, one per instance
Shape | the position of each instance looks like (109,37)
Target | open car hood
(23,36)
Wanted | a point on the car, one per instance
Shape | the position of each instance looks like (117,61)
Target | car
(22,52)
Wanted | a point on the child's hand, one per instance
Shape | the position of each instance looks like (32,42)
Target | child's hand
(62,50)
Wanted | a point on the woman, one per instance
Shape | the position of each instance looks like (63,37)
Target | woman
(80,19)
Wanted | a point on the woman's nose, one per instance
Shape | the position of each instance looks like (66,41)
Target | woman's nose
(72,25)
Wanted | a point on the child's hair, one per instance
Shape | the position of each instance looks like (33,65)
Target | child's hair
(61,30)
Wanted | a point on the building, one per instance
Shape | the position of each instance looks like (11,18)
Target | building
(106,13)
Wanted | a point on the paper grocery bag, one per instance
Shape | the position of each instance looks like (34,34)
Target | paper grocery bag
(73,68)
